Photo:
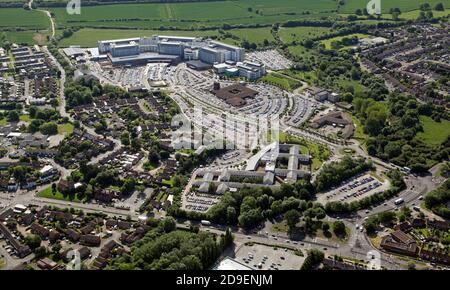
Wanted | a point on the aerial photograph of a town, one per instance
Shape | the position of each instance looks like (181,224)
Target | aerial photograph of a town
(225,135)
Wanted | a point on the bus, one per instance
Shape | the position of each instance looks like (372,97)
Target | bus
(398,201)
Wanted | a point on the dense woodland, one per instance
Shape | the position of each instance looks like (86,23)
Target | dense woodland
(438,200)
(165,248)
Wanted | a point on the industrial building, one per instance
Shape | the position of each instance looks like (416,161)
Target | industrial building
(160,48)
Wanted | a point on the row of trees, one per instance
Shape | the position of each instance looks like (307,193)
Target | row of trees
(334,173)
(438,199)
(397,184)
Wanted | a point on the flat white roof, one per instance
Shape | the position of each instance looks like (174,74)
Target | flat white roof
(14,134)
(231,264)
(46,168)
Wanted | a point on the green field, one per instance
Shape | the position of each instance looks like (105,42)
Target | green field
(350,6)
(20,18)
(88,37)
(256,35)
(27,37)
(290,34)
(65,128)
(279,80)
(434,133)
(194,14)
(327,42)
(412,15)
(47,193)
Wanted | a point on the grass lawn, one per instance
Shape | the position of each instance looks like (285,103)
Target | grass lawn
(306,76)
(413,15)
(280,81)
(359,131)
(434,133)
(25,118)
(65,128)
(27,37)
(150,166)
(47,193)
(2,263)
(289,35)
(327,42)
(280,227)
(3,122)
(21,18)
(256,35)
(319,153)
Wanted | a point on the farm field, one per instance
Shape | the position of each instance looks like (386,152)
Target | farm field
(21,18)
(351,6)
(434,133)
(194,14)
(412,15)
(27,37)
(290,34)
(88,37)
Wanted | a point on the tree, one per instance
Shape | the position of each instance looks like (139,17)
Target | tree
(13,116)
(325,227)
(339,228)
(49,128)
(168,224)
(314,258)
(231,215)
(33,241)
(56,248)
(292,217)
(439,7)
(40,252)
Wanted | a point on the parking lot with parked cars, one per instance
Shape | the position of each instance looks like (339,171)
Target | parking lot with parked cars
(261,257)
(200,202)
(271,58)
(354,188)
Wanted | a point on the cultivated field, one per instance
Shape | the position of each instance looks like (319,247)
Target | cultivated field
(351,6)
(88,37)
(18,17)
(195,14)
